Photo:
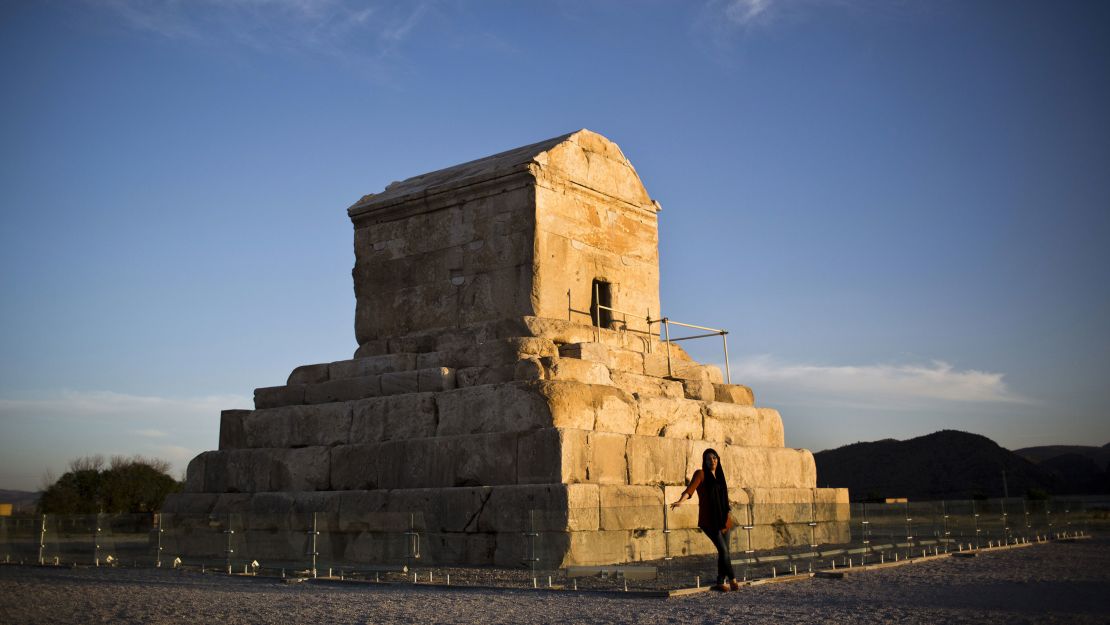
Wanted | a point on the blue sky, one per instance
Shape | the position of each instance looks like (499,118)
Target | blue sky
(899,210)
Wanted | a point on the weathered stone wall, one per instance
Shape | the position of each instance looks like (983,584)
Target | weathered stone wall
(594,221)
(467,259)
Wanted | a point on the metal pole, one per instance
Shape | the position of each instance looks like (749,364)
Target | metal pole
(229,550)
(96,541)
(315,547)
(667,330)
(597,313)
(42,539)
(728,373)
(666,531)
(158,553)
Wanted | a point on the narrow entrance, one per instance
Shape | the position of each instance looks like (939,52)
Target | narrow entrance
(601,301)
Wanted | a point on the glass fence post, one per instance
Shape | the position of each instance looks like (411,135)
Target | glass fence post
(42,540)
(975,519)
(947,531)
(1005,520)
(96,540)
(413,542)
(666,531)
(229,549)
(813,519)
(530,537)
(909,520)
(312,546)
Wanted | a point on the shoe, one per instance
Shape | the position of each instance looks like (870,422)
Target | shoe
(722,587)
(734,585)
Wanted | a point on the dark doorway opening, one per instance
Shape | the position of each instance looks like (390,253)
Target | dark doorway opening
(601,300)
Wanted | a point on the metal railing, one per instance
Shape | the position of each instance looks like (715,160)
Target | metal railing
(664,332)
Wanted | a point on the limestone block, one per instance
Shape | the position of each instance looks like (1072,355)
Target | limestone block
(478,376)
(492,408)
(275,396)
(655,362)
(673,418)
(594,352)
(298,426)
(560,331)
(656,460)
(459,548)
(375,347)
(305,468)
(343,389)
(647,386)
(413,343)
(194,474)
(231,504)
(528,369)
(232,433)
(444,509)
(626,360)
(743,425)
(607,458)
(400,382)
(686,514)
(575,370)
(545,507)
(551,456)
(701,390)
(767,467)
(266,506)
(372,365)
(326,502)
(507,351)
(368,511)
(589,406)
(354,467)
(734,394)
(471,460)
(631,507)
(183,505)
(412,415)
(309,374)
(590,548)
(435,379)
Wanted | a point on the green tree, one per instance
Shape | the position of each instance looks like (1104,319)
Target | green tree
(127,485)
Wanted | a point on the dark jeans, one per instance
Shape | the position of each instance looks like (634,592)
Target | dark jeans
(724,561)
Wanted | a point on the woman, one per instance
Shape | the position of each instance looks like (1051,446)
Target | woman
(709,482)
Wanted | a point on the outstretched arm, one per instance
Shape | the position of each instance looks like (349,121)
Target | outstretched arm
(689,492)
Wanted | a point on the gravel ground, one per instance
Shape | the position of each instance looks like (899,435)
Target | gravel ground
(1060,582)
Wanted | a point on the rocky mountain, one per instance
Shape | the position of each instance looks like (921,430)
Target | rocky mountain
(944,465)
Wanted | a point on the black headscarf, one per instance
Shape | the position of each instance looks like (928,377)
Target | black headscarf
(716,489)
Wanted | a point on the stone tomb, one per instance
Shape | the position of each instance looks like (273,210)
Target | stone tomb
(488,383)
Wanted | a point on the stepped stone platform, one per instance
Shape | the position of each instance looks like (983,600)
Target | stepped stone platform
(495,376)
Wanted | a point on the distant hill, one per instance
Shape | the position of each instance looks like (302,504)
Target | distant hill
(943,465)
(1084,468)
(1099,455)
(21,500)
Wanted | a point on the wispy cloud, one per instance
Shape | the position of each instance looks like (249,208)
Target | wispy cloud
(877,384)
(744,12)
(363,33)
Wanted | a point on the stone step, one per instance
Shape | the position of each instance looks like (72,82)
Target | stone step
(576,523)
(537,456)
(498,408)
(346,389)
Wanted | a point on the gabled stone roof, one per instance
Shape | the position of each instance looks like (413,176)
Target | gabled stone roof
(487,168)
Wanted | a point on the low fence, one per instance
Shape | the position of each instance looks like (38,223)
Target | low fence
(631,547)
